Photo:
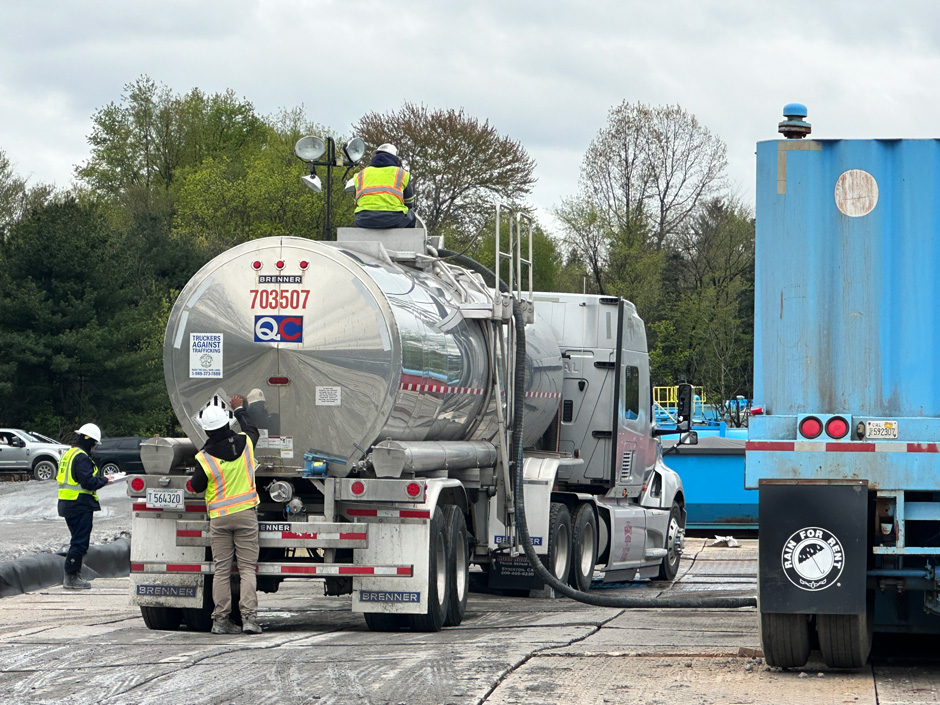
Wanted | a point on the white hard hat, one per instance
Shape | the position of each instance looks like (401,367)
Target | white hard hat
(215,415)
(388,147)
(90,430)
(254,395)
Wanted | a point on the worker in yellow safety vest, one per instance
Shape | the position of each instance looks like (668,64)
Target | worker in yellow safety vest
(226,473)
(79,480)
(384,194)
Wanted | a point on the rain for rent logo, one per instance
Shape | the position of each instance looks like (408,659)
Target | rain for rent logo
(812,559)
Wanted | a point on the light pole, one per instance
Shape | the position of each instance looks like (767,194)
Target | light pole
(310,149)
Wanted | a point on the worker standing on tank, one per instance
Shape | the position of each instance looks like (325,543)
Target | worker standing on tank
(79,480)
(226,471)
(384,194)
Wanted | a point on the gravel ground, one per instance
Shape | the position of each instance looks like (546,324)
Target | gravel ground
(29,522)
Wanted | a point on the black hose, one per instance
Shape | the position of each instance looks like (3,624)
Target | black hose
(699,599)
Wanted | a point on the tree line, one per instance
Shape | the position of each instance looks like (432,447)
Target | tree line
(88,273)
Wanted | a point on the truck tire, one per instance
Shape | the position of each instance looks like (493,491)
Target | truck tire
(785,639)
(583,547)
(438,587)
(199,619)
(558,559)
(44,469)
(458,564)
(162,618)
(669,566)
(844,639)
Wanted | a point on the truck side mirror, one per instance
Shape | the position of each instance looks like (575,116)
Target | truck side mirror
(684,408)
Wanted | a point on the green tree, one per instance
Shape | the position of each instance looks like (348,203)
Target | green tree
(461,167)
(80,333)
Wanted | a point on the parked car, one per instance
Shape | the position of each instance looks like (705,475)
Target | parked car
(119,455)
(28,451)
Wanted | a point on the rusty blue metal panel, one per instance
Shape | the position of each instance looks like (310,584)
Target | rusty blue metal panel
(848,301)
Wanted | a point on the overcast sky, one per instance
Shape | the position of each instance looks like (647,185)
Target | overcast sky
(544,72)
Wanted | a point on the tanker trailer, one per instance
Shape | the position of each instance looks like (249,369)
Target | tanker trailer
(393,398)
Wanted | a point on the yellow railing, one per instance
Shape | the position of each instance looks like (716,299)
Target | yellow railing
(666,399)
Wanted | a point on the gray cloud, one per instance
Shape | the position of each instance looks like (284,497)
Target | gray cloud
(545,72)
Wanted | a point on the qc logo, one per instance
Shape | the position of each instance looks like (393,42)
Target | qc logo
(279,329)
(812,559)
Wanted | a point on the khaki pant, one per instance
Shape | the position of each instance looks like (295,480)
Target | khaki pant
(235,534)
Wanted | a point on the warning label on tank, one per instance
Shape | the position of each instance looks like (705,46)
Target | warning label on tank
(205,355)
(329,396)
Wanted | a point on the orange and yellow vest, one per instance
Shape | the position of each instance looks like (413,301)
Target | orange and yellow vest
(381,188)
(231,486)
(68,488)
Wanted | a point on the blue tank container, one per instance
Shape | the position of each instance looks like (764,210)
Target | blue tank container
(846,456)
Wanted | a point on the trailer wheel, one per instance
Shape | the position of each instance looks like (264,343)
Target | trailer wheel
(438,580)
(383,622)
(844,639)
(785,639)
(670,563)
(583,547)
(458,564)
(162,618)
(558,559)
(199,619)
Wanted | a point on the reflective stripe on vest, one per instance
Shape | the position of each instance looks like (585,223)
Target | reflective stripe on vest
(381,188)
(231,486)
(69,490)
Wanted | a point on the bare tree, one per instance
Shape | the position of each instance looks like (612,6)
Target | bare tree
(460,167)
(652,163)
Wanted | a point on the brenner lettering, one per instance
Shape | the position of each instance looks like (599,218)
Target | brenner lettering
(376,596)
(167,590)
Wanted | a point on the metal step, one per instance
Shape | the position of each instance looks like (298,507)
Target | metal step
(296,534)
(285,569)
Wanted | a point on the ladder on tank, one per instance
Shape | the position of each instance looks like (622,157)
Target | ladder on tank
(501,345)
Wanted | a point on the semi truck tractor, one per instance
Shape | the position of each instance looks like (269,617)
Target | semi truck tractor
(846,454)
(404,395)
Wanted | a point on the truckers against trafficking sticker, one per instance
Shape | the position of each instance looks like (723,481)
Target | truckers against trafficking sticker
(205,355)
(812,559)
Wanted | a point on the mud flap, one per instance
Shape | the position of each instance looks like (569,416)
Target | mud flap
(813,547)
(396,543)
(151,590)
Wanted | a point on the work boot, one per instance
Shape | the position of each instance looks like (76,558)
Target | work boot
(73,581)
(224,625)
(250,626)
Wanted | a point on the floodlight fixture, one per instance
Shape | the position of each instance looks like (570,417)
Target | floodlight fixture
(309,148)
(355,149)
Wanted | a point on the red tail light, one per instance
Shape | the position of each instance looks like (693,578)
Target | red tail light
(189,486)
(837,427)
(279,264)
(256,265)
(137,484)
(810,427)
(357,488)
(413,489)
(278,380)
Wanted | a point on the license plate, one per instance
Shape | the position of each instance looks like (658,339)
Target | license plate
(165,499)
(881,429)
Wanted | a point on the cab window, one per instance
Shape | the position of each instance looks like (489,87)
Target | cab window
(630,392)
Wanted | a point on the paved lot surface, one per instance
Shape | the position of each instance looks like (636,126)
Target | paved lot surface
(92,647)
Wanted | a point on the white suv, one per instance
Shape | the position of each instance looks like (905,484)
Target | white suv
(30,452)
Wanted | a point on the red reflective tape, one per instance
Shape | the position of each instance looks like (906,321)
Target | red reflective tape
(409,514)
(293,535)
(404,571)
(137,567)
(300,569)
(923,448)
(850,447)
(183,568)
(363,512)
(768,445)
(356,570)
(189,533)
(351,536)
